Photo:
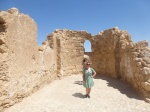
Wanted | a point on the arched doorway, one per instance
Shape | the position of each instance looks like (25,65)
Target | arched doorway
(87,49)
(87,46)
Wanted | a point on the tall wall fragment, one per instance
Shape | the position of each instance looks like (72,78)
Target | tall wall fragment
(115,54)
(24,68)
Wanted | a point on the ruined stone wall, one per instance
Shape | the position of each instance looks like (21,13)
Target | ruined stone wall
(135,67)
(104,52)
(70,50)
(115,54)
(24,68)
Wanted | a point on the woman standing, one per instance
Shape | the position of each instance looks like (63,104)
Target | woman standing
(88,74)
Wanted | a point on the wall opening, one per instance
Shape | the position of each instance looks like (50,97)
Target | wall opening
(87,46)
(87,49)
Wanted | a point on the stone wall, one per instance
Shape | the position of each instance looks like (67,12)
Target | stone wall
(88,55)
(114,54)
(24,67)
(135,67)
(70,50)
(105,53)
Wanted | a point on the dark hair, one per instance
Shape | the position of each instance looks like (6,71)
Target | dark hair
(84,60)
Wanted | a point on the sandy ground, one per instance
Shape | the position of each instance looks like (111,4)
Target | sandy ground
(67,95)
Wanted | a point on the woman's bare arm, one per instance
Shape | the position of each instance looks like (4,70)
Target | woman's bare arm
(94,73)
(83,76)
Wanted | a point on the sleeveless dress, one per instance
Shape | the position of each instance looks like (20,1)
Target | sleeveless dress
(87,75)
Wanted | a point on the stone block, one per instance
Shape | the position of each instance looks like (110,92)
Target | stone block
(147,86)
(146,71)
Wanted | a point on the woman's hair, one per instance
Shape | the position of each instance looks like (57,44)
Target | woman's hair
(84,60)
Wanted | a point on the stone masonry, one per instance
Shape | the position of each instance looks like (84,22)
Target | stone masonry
(26,67)
(114,54)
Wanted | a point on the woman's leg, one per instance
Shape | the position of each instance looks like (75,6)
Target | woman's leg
(86,92)
(89,91)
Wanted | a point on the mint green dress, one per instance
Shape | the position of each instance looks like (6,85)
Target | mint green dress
(87,76)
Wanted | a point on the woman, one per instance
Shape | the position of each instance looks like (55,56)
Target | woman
(88,74)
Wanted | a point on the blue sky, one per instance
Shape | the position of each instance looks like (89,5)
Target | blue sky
(92,16)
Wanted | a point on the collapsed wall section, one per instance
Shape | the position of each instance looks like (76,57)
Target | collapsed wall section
(24,67)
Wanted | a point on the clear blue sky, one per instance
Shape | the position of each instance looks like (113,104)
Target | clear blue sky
(90,15)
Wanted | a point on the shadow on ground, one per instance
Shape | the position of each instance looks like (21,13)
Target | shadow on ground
(78,82)
(123,87)
(79,95)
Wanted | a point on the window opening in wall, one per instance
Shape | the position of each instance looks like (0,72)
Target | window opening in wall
(87,46)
